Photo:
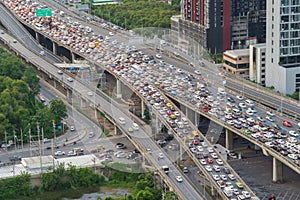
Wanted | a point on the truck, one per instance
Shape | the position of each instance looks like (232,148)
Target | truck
(78,151)
(221,91)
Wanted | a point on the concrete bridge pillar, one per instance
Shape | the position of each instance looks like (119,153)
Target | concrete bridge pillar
(54,83)
(190,114)
(37,37)
(229,139)
(54,47)
(119,90)
(277,171)
(73,56)
(196,119)
(143,109)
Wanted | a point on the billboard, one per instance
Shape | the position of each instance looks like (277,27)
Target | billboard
(43,13)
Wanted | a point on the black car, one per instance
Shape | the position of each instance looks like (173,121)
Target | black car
(120,146)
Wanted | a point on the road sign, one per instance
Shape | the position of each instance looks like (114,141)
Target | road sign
(59,127)
(43,13)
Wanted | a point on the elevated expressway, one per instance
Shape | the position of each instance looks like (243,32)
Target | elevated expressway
(54,73)
(111,108)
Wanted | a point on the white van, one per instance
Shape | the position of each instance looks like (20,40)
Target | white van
(135,126)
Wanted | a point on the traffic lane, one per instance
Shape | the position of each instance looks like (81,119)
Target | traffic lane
(258,94)
(22,35)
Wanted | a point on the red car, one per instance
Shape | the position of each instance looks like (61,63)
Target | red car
(169,112)
(287,123)
(209,160)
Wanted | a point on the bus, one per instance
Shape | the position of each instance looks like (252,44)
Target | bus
(165,169)
(136,69)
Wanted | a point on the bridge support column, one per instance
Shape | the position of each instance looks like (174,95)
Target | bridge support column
(190,114)
(119,90)
(213,191)
(143,109)
(196,119)
(83,103)
(277,171)
(54,83)
(54,47)
(37,37)
(73,56)
(229,140)
(117,131)
(68,93)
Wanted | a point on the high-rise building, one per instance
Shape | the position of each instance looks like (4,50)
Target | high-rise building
(219,25)
(283,45)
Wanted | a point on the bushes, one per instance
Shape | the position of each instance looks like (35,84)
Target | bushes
(12,188)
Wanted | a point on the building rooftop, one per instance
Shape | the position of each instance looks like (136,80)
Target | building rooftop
(237,53)
(260,45)
(36,161)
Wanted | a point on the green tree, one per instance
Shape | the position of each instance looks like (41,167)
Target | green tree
(58,109)
(144,195)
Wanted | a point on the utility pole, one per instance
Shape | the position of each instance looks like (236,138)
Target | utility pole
(5,135)
(39,139)
(53,122)
(15,140)
(22,138)
(42,141)
(30,150)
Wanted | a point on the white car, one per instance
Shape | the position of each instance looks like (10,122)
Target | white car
(203,162)
(60,72)
(246,194)
(214,155)
(249,112)
(59,153)
(231,177)
(208,168)
(270,113)
(216,168)
(242,105)
(158,56)
(294,133)
(269,118)
(239,97)
(197,72)
(72,128)
(252,110)
(293,156)
(111,33)
(69,79)
(122,120)
(90,93)
(219,162)
(179,178)
(216,177)
(261,119)
(161,155)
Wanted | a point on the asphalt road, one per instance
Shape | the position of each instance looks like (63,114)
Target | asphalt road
(187,190)
(15,28)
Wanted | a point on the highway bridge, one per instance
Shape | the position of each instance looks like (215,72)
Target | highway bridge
(53,74)
(111,108)
(190,114)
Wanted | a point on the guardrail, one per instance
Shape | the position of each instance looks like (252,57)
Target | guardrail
(103,95)
(240,133)
(196,160)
